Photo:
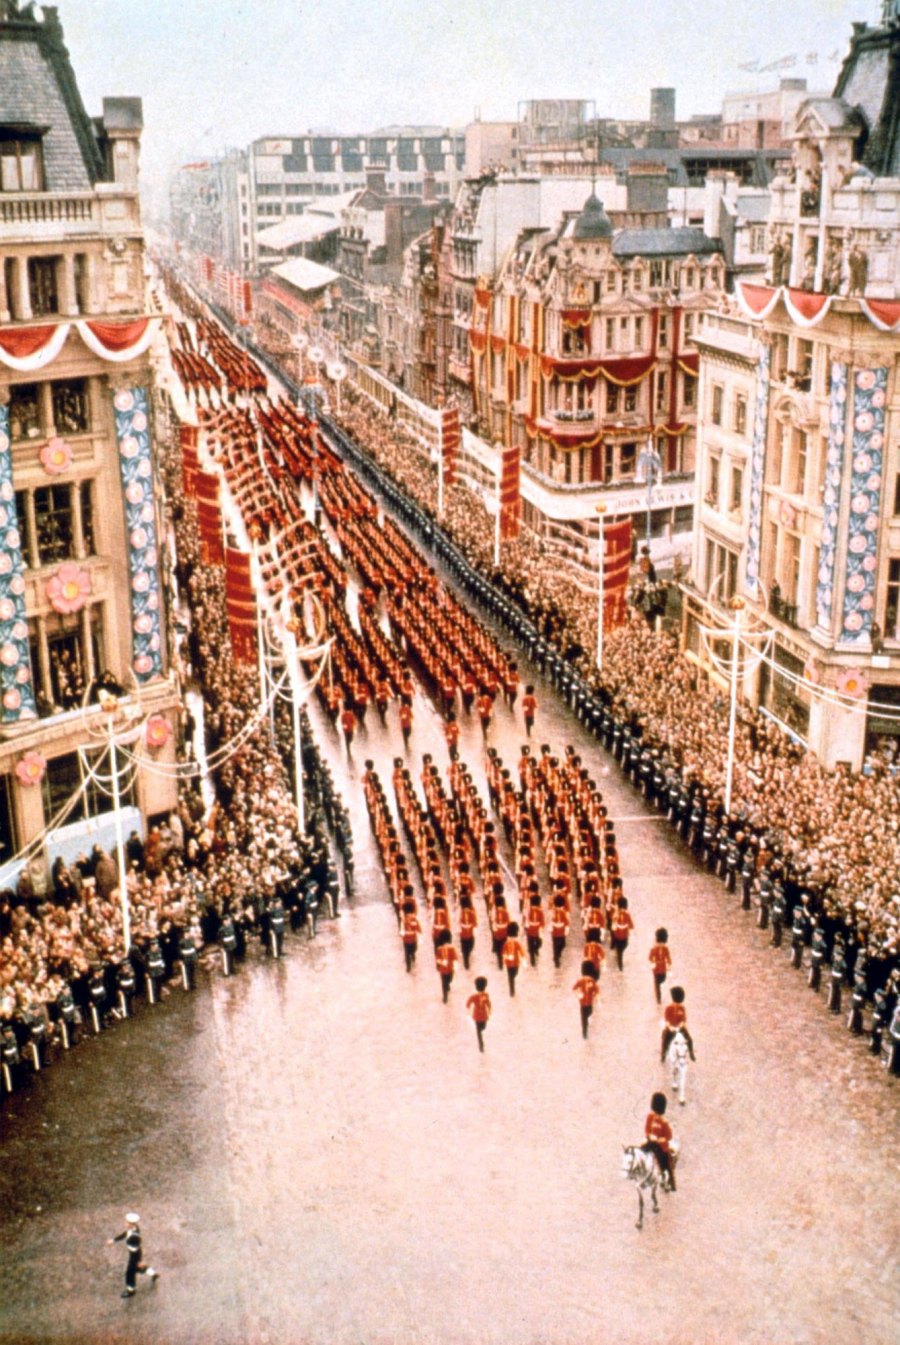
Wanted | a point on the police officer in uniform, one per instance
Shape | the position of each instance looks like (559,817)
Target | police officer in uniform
(131,1236)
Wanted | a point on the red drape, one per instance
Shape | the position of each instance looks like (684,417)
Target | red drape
(116,336)
(20,342)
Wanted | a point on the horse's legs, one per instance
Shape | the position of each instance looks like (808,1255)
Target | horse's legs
(655,1201)
(640,1223)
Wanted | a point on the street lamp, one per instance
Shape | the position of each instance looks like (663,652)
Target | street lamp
(600,510)
(109,705)
(337,372)
(649,469)
(300,341)
(738,664)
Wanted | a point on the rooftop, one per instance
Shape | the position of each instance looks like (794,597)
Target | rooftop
(664,243)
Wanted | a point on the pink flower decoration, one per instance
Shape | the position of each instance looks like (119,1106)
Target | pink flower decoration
(123,400)
(143,623)
(56,456)
(142,664)
(865,378)
(157,732)
(129,446)
(9,655)
(851,682)
(68,590)
(12,698)
(30,769)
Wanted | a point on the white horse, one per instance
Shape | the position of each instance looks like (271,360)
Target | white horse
(641,1166)
(677,1057)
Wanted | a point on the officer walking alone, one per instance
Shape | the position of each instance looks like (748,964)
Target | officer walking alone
(131,1236)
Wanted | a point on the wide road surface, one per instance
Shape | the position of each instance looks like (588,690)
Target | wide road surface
(320,1155)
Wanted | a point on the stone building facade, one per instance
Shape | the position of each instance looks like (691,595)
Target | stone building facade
(798,504)
(81,586)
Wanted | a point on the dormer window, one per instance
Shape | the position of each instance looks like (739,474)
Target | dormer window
(21,159)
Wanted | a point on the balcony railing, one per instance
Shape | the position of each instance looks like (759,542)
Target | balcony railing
(783,611)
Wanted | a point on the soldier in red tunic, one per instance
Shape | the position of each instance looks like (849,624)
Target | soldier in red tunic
(661,960)
(587,988)
(676,1017)
(446,958)
(529,709)
(410,930)
(659,1138)
(479,1005)
(513,952)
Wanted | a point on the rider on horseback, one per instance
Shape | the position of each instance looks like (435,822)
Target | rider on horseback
(659,1139)
(675,1020)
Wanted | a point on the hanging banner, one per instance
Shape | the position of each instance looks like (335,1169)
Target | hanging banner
(209,519)
(616,571)
(450,441)
(240,604)
(510,495)
(136,471)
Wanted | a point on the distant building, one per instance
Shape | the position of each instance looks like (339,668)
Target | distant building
(582,356)
(763,120)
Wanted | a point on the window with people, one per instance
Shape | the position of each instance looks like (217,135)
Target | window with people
(56,523)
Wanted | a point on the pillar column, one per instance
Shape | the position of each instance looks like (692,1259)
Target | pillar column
(4,297)
(45,409)
(65,279)
(31,538)
(21,310)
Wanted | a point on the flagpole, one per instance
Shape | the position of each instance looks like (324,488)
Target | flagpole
(601,561)
(499,448)
(441,465)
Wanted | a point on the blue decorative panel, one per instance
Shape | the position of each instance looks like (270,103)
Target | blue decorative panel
(757,468)
(136,468)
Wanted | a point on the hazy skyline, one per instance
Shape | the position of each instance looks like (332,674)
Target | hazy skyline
(214,75)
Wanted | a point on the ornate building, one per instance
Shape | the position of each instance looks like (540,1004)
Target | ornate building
(583,358)
(81,598)
(798,481)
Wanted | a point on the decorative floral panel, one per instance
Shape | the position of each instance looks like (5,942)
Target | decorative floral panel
(831,494)
(757,468)
(16,687)
(136,468)
(866,478)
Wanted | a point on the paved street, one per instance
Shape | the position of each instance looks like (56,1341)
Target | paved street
(319,1154)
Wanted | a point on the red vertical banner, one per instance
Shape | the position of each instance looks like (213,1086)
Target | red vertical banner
(189,463)
(240,605)
(616,569)
(510,496)
(247,291)
(208,268)
(209,518)
(450,441)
